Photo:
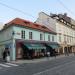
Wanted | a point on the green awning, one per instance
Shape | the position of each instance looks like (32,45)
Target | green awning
(54,46)
(34,46)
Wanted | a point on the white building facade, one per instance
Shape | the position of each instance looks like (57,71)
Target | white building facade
(64,28)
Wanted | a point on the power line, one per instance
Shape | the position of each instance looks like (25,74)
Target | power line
(18,10)
(15,9)
(66,7)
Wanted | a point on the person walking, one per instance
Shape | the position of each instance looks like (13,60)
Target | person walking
(48,54)
(6,55)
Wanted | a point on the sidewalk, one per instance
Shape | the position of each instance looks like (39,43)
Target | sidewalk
(41,59)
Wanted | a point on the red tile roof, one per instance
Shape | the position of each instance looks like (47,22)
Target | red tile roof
(25,23)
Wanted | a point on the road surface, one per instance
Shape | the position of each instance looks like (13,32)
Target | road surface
(61,66)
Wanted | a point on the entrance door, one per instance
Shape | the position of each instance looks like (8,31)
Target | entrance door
(19,51)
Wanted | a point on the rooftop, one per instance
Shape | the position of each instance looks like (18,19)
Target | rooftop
(26,23)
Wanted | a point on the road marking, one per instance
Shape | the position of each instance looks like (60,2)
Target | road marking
(52,68)
(11,64)
(3,65)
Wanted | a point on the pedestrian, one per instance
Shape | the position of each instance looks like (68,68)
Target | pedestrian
(48,54)
(54,53)
(6,55)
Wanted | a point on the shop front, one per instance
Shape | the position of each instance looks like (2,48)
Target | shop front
(35,49)
(52,48)
(28,50)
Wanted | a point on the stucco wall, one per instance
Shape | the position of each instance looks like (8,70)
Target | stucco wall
(36,34)
(66,32)
(44,19)
(6,34)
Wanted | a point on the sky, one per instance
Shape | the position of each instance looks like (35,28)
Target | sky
(29,9)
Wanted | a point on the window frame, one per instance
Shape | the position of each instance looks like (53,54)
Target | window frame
(23,34)
(30,35)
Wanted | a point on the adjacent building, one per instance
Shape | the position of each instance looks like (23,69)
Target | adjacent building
(1,25)
(64,26)
(26,39)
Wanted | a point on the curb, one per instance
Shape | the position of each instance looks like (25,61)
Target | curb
(40,60)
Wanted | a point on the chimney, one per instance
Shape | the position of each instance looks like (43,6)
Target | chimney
(65,14)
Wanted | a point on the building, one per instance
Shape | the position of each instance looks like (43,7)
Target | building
(26,39)
(64,26)
(1,25)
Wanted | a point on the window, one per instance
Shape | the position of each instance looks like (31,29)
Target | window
(41,37)
(23,34)
(48,37)
(67,39)
(52,38)
(65,22)
(30,35)
(70,39)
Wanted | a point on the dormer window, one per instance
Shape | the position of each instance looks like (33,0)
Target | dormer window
(65,22)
